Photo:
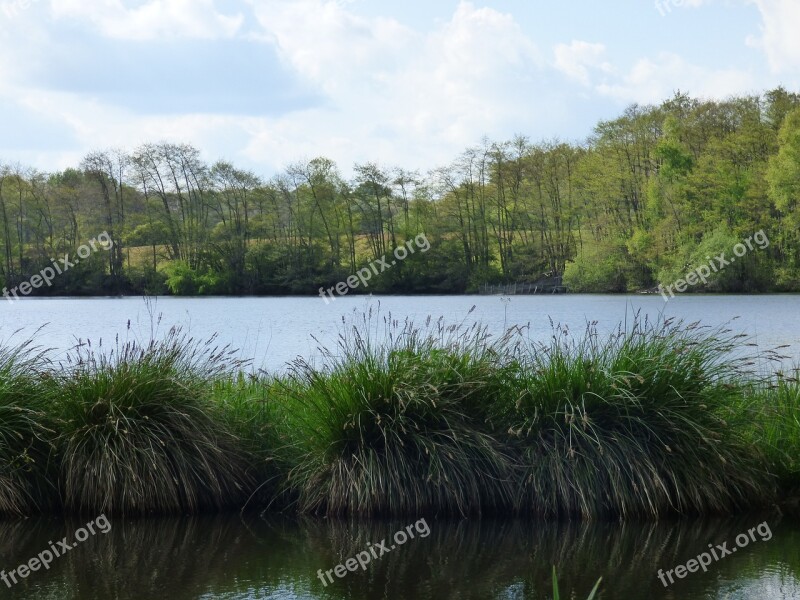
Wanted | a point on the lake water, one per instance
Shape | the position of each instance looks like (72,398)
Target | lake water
(273,331)
(250,558)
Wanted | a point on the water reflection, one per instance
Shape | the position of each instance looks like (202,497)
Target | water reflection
(247,558)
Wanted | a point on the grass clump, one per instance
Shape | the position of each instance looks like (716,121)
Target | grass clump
(654,420)
(777,428)
(139,432)
(250,407)
(648,422)
(386,428)
(25,432)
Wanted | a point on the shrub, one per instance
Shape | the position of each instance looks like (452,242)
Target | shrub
(249,405)
(777,429)
(140,434)
(387,429)
(597,269)
(24,431)
(645,423)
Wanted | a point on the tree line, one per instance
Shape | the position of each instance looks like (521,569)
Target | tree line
(647,197)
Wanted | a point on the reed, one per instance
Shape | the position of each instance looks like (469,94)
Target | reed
(656,419)
(140,433)
(25,430)
(385,427)
(645,422)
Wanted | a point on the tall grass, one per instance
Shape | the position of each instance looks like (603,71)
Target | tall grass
(385,426)
(251,405)
(24,431)
(654,420)
(645,422)
(777,427)
(139,432)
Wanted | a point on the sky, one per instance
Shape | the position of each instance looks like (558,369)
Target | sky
(264,83)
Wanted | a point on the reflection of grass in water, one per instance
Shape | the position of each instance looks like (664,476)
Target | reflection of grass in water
(557,595)
(502,558)
(175,558)
(458,560)
(219,557)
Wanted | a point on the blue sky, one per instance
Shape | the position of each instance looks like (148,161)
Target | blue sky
(264,83)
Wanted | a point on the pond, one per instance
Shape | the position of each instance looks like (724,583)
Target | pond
(254,557)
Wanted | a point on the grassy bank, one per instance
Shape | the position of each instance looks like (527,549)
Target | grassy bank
(651,421)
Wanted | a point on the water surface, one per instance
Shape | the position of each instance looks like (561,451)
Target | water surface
(273,331)
(272,558)
(247,558)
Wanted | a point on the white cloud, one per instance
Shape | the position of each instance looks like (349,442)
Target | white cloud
(654,80)
(779,34)
(325,42)
(390,93)
(400,95)
(152,19)
(397,94)
(96,125)
(575,60)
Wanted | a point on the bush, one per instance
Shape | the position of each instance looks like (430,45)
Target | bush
(597,269)
(25,432)
(388,429)
(655,420)
(139,432)
(777,429)
(645,423)
(250,406)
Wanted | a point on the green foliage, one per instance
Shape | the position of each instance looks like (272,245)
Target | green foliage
(618,213)
(391,429)
(183,280)
(597,269)
(784,168)
(691,255)
(251,409)
(777,428)
(25,431)
(747,273)
(139,433)
(150,281)
(656,420)
(637,425)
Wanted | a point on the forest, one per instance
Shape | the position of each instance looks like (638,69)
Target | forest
(647,197)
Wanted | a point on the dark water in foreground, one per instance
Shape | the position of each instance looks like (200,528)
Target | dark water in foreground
(253,558)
